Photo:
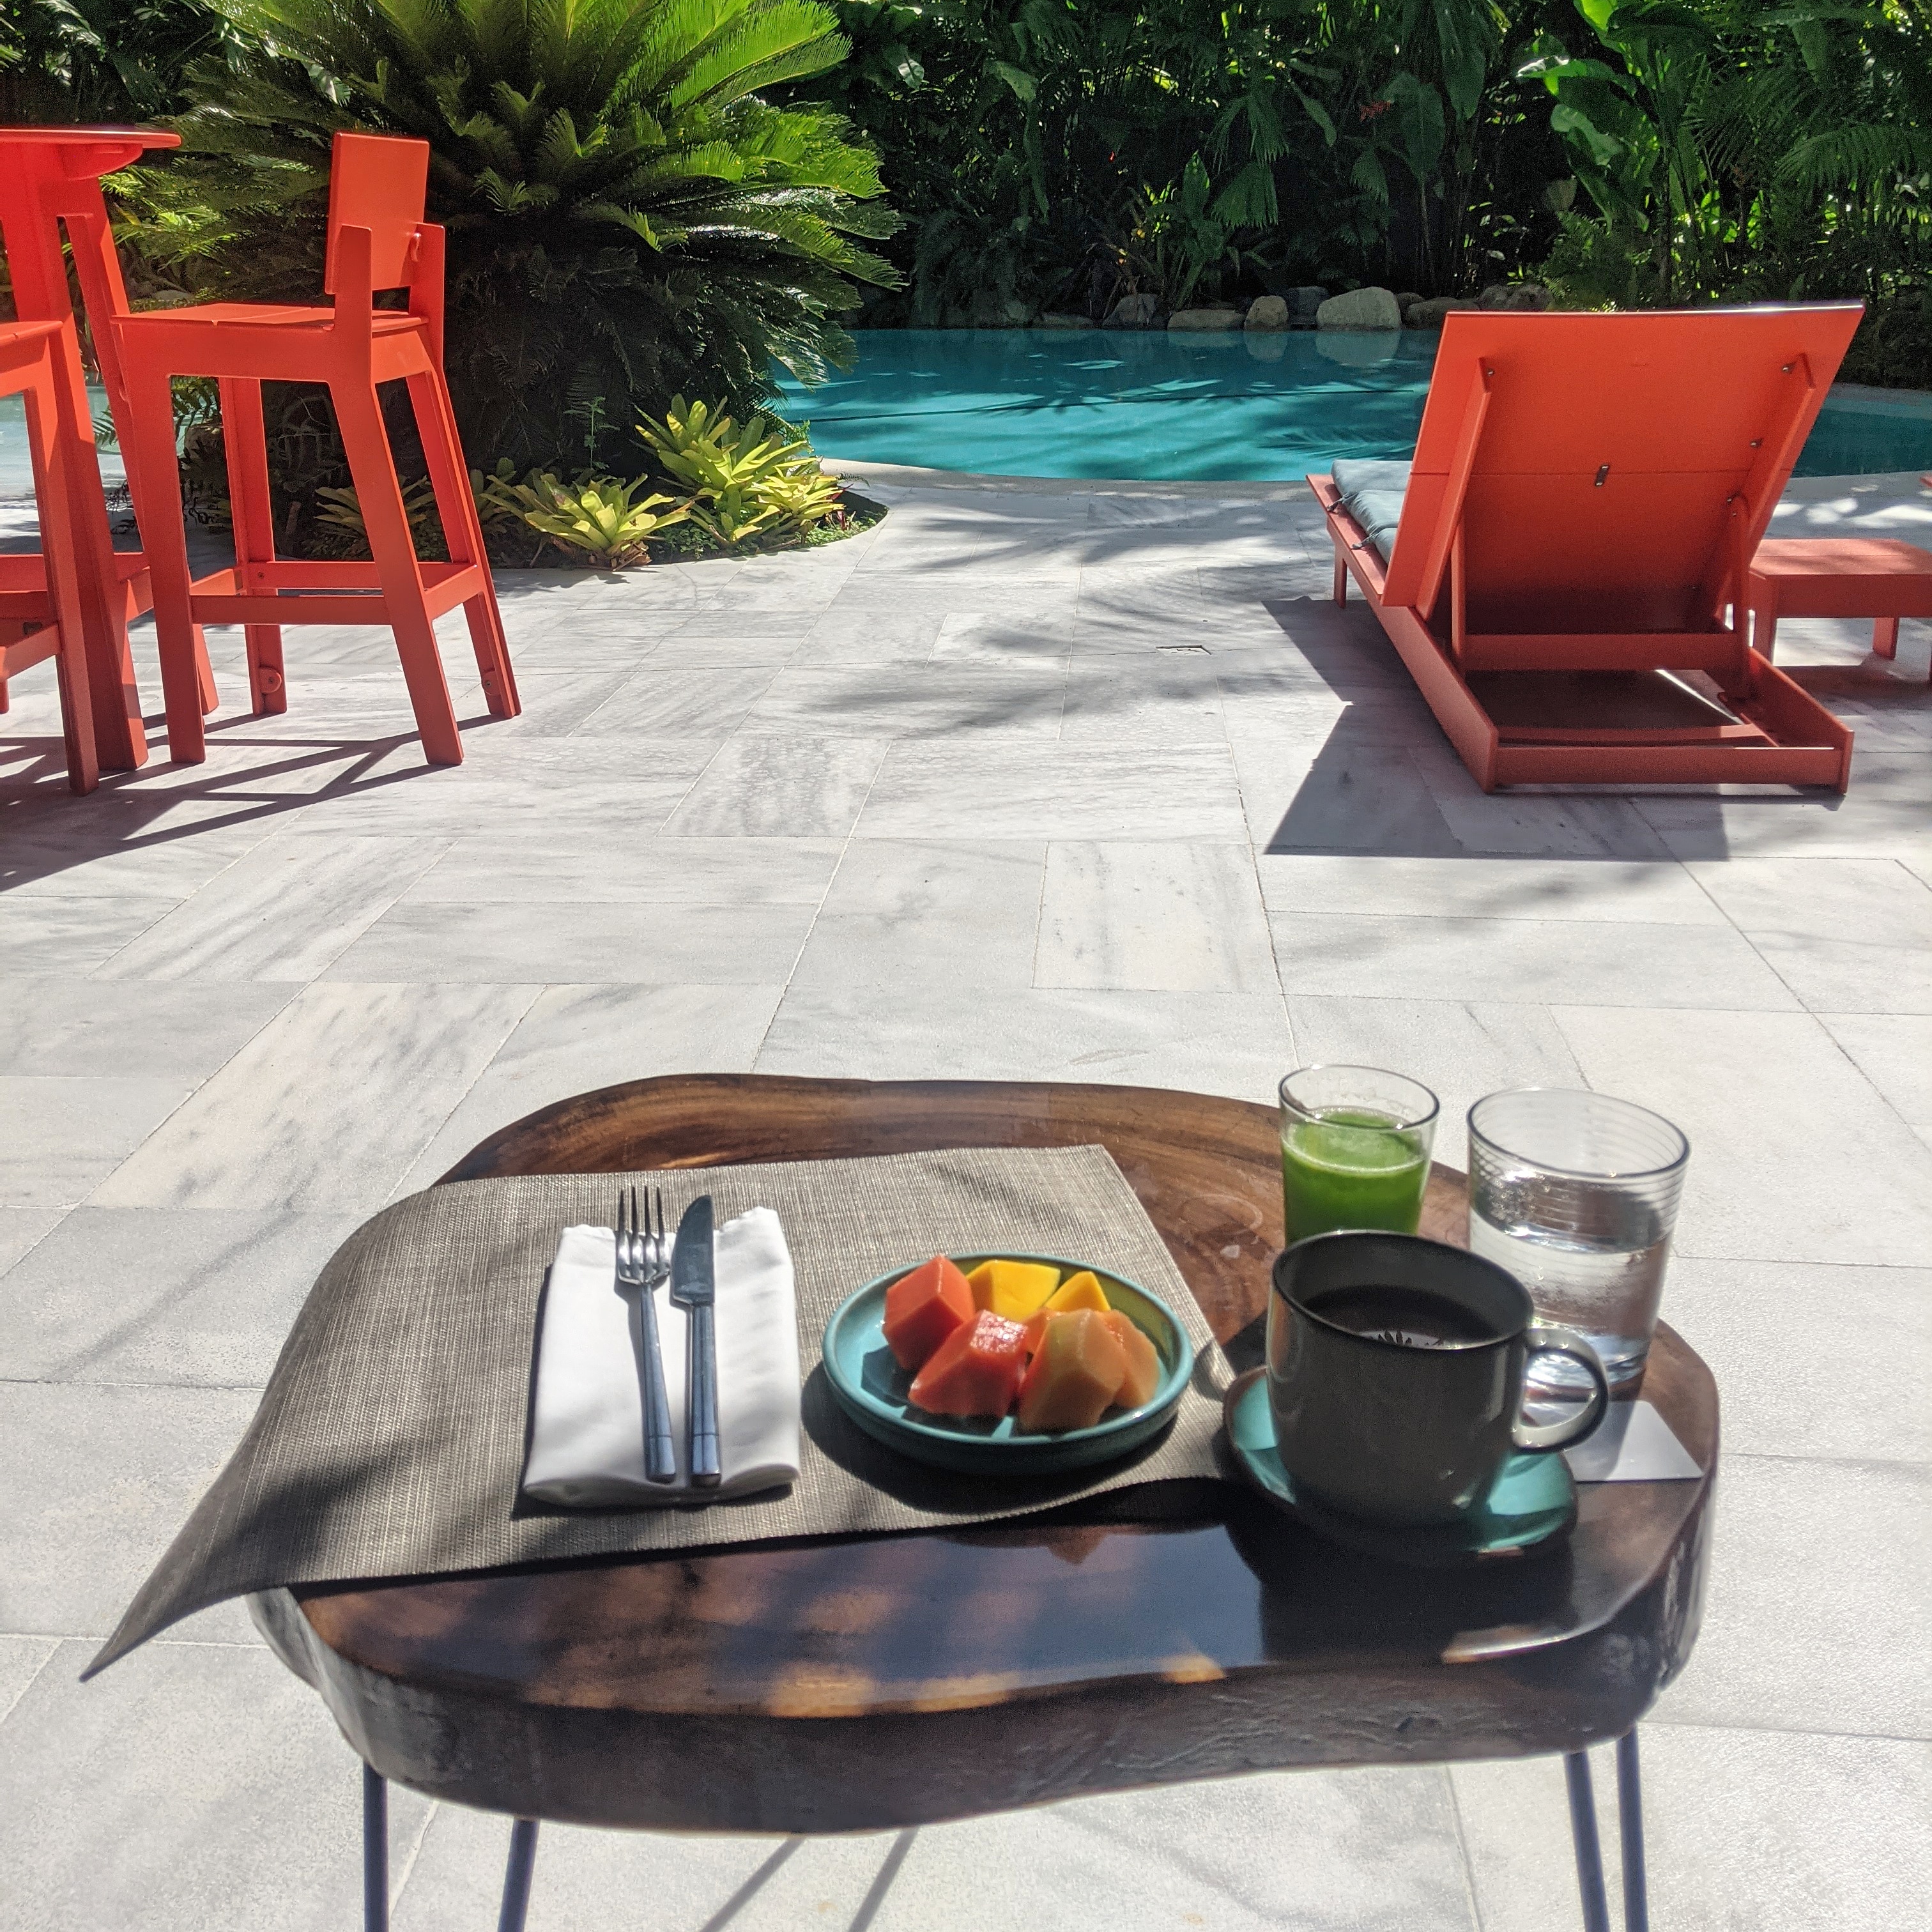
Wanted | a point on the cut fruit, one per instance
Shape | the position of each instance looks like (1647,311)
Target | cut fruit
(1072,1381)
(1078,1290)
(1018,1290)
(976,1370)
(1143,1375)
(923,1308)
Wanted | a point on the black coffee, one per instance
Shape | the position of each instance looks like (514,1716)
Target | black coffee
(1411,1316)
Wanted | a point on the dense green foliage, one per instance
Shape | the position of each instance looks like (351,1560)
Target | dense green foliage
(1055,154)
(627,216)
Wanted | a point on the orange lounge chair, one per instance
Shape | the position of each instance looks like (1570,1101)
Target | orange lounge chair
(1562,568)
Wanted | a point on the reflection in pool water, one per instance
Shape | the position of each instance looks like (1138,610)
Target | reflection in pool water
(1144,403)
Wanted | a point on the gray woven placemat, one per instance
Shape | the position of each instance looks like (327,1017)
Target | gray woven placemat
(390,1440)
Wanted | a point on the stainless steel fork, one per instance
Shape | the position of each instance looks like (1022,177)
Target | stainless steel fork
(644,1261)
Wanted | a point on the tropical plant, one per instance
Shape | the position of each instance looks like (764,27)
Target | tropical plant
(340,512)
(627,215)
(104,60)
(603,521)
(803,496)
(712,453)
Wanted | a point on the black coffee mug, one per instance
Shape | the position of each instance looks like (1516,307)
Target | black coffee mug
(1395,1370)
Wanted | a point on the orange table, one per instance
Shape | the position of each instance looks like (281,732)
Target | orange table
(1879,578)
(50,178)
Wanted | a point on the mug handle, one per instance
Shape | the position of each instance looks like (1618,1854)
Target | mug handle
(1545,1338)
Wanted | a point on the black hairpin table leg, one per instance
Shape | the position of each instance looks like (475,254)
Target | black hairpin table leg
(1583,1835)
(375,1852)
(517,1876)
(1630,1830)
(1630,1821)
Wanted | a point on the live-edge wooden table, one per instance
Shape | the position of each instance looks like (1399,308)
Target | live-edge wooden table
(860,1684)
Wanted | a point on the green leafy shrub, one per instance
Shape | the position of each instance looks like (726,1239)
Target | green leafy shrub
(628,217)
(603,521)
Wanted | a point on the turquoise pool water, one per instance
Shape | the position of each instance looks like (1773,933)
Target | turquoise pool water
(1191,408)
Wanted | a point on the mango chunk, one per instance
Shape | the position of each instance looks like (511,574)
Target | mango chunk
(1078,1290)
(975,1371)
(923,1308)
(1143,1375)
(1018,1290)
(1071,1382)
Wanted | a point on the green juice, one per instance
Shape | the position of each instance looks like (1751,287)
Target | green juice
(1352,1168)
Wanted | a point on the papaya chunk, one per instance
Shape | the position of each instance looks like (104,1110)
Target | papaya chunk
(1078,1290)
(1071,1382)
(975,1371)
(1143,1375)
(923,1308)
(1018,1290)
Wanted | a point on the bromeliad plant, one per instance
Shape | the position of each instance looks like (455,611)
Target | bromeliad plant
(605,521)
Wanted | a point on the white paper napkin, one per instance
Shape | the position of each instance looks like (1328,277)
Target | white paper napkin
(1633,1444)
(587,1420)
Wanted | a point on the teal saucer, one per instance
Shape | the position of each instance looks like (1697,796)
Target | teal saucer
(872,1388)
(1532,1500)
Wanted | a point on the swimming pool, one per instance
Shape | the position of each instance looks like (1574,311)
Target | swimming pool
(1197,408)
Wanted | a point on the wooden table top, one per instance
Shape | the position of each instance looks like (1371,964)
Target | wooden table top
(855,1684)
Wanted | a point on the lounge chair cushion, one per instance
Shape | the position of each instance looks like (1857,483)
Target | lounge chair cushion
(1372,493)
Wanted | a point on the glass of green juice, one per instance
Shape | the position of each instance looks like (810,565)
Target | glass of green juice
(1355,1142)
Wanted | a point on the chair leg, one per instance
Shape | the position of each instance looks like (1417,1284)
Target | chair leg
(248,448)
(164,541)
(456,504)
(1885,637)
(1764,630)
(1341,574)
(372,466)
(1630,1827)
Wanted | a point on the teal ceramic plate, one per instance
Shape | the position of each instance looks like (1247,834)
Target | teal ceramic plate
(870,1387)
(1531,1501)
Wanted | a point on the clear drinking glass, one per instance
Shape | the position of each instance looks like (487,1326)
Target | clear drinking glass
(1355,1143)
(1575,1194)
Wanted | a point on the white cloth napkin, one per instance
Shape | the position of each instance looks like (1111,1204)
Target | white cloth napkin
(587,1420)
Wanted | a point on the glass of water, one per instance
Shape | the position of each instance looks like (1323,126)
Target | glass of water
(1575,1194)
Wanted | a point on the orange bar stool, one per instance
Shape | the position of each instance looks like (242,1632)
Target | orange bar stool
(377,239)
(41,362)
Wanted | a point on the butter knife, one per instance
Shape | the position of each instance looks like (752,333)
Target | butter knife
(693,1289)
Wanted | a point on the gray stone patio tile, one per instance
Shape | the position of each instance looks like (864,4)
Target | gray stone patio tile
(1770,1830)
(191,1785)
(1894,1051)
(65,1136)
(1368,1851)
(663,700)
(197,1298)
(1019,699)
(556,702)
(23,1228)
(1232,1043)
(1887,814)
(282,912)
(574,1040)
(1008,791)
(979,637)
(595,943)
(620,788)
(1460,1049)
(101,1478)
(42,933)
(1811,1360)
(113,852)
(100,1028)
(926,912)
(1172,916)
(1532,962)
(21,1660)
(1171,699)
(870,633)
(327,1106)
(1344,792)
(658,871)
(1574,826)
(1818,1616)
(1847,935)
(1793,1157)
(1367,716)
(781,787)
(1597,890)
(743,647)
